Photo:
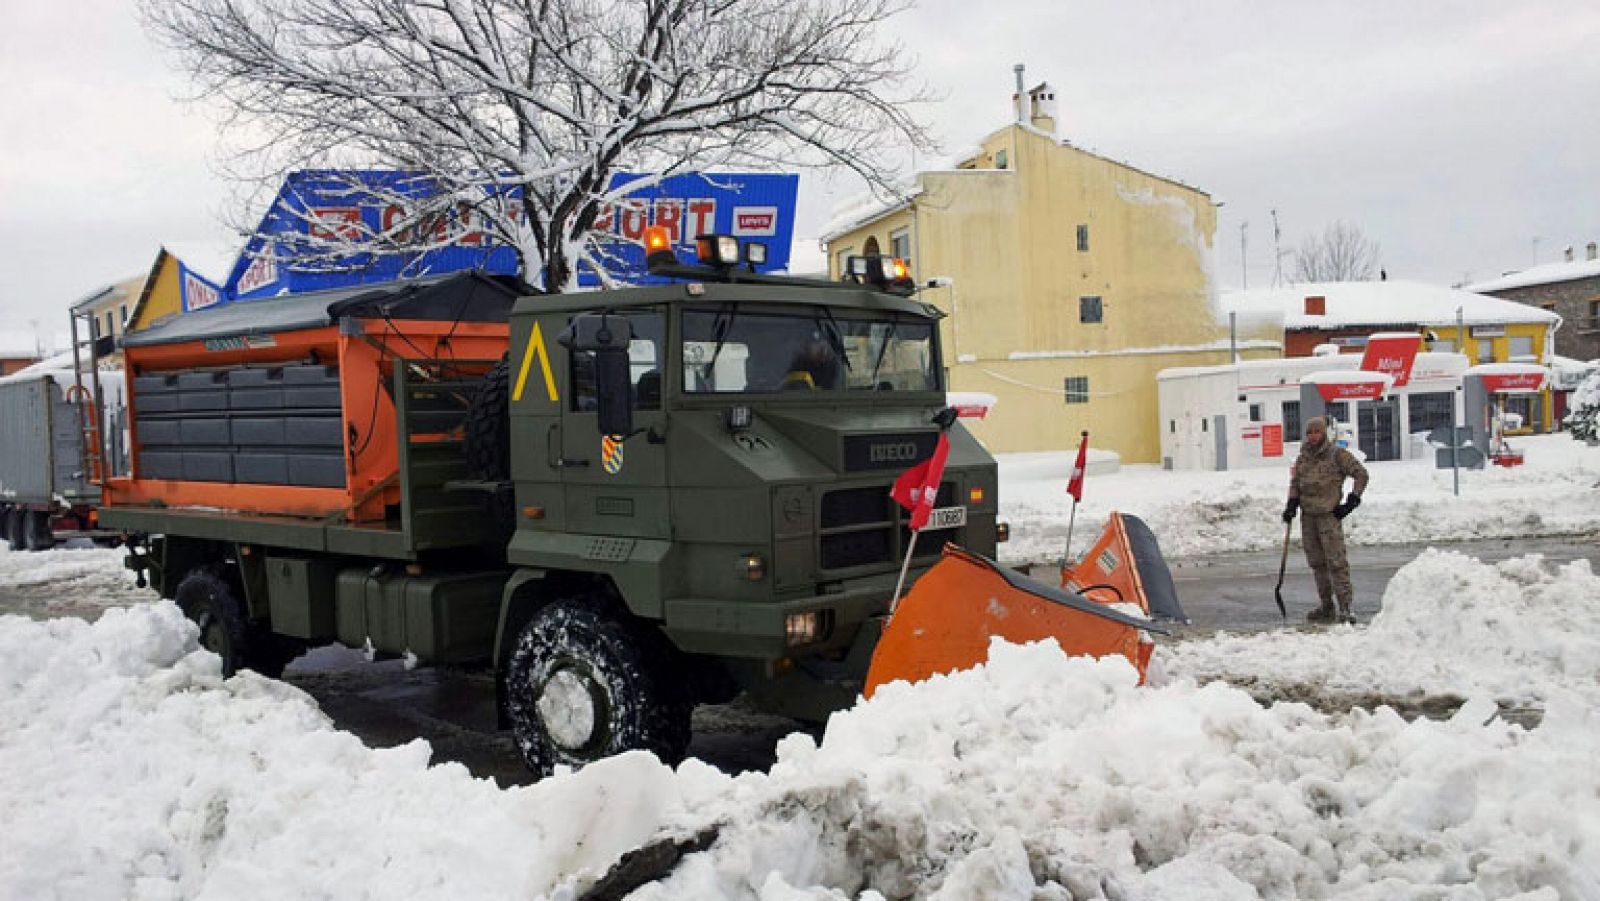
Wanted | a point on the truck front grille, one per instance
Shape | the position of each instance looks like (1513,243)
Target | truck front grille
(865,527)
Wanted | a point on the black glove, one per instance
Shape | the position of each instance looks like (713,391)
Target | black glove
(1289,510)
(1351,501)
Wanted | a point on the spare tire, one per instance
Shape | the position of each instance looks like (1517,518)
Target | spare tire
(488,438)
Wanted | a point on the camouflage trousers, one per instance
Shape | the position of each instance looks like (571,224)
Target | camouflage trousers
(1323,538)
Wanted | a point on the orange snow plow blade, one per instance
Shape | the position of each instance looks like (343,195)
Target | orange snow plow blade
(1125,565)
(945,622)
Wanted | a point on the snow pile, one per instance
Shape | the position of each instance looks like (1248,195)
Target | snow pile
(1583,412)
(1556,492)
(1519,632)
(79,581)
(129,769)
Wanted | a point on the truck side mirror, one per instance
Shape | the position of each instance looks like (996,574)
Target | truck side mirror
(607,337)
(614,390)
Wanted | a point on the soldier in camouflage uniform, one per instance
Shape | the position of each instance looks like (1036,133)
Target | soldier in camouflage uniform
(1315,482)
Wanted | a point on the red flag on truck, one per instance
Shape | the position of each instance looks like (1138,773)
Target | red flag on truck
(1075,486)
(918,487)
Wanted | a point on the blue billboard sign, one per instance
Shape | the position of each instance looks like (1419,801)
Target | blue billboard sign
(195,291)
(318,230)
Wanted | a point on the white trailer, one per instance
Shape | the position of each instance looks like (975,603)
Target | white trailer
(1248,414)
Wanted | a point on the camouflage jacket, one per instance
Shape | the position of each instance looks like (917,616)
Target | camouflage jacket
(1317,477)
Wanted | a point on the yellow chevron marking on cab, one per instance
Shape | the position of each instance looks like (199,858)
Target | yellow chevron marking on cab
(536,345)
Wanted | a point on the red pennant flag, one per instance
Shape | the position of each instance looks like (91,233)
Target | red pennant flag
(1075,486)
(918,487)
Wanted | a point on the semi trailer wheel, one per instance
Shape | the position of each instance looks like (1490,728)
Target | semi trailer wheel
(36,534)
(582,686)
(7,527)
(214,603)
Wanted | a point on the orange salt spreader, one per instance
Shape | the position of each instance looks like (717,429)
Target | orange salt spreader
(1108,603)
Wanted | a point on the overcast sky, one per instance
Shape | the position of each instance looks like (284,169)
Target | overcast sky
(1461,136)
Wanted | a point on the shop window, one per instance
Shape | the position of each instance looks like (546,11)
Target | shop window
(1340,411)
(1291,421)
(1083,239)
(1077,389)
(900,244)
(1090,309)
(1429,411)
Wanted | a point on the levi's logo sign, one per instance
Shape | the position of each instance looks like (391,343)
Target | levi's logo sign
(755,221)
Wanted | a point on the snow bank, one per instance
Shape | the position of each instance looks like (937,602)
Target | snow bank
(1556,492)
(130,769)
(1520,632)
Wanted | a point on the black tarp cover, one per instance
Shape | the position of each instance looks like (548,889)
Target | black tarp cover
(460,297)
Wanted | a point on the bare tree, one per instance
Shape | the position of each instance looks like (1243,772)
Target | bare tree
(1340,254)
(517,113)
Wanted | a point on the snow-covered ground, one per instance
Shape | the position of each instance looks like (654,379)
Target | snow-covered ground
(1556,492)
(130,769)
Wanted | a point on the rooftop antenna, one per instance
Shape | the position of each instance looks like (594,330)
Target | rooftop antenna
(1244,244)
(1277,252)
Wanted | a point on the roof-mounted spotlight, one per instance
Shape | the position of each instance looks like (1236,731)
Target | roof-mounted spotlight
(721,251)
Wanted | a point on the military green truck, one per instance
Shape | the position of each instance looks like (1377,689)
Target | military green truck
(659,497)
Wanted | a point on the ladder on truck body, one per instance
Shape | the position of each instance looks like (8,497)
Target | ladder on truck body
(88,398)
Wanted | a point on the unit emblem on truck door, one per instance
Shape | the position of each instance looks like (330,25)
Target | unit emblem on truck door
(610,454)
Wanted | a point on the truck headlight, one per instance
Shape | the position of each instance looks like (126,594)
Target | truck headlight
(807,628)
(754,568)
(1002,531)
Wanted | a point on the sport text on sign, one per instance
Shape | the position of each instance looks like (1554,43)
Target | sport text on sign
(683,219)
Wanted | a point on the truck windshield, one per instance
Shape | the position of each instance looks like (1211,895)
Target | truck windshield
(733,351)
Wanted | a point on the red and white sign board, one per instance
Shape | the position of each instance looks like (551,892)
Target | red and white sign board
(1515,382)
(755,221)
(1332,391)
(1392,353)
(971,404)
(1272,440)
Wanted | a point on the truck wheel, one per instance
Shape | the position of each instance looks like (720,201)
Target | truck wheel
(36,531)
(582,686)
(15,520)
(213,602)
(5,523)
(488,427)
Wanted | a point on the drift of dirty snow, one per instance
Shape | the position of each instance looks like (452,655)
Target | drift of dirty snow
(79,581)
(1555,492)
(129,769)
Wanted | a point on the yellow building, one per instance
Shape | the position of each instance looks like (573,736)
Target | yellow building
(168,287)
(1069,281)
(106,311)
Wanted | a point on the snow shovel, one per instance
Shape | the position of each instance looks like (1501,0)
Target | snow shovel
(1283,564)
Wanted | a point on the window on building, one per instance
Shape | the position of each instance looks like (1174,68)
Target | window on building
(1594,314)
(1291,421)
(1442,345)
(1172,426)
(1083,238)
(94,326)
(1429,411)
(110,323)
(1255,412)
(1077,389)
(1090,309)
(1340,411)
(841,261)
(1000,159)
(1521,349)
(900,244)
(122,313)
(1485,350)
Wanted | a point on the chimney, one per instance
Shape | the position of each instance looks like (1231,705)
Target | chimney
(1018,99)
(1590,249)
(1316,305)
(1042,108)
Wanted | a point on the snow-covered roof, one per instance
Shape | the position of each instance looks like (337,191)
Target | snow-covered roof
(1539,275)
(1386,303)
(860,210)
(1348,377)
(19,345)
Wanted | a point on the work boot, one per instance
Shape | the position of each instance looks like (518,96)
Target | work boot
(1323,614)
(1346,615)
